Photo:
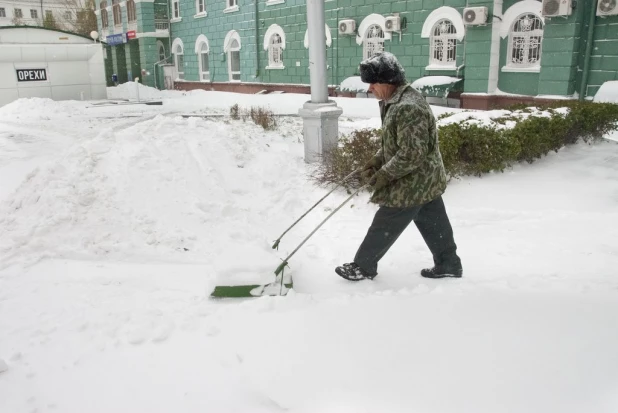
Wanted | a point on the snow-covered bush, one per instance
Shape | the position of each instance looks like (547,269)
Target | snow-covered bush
(475,143)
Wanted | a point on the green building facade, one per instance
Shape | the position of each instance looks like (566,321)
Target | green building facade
(506,49)
(136,34)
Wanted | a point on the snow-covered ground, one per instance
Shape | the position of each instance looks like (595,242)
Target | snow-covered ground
(117,221)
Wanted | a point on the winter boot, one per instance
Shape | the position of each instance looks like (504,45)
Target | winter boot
(352,272)
(440,272)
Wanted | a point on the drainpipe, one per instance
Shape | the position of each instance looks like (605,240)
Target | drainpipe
(584,84)
(257,42)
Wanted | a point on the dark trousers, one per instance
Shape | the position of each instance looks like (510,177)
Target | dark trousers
(388,224)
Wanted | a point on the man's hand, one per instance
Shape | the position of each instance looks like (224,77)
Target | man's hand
(379,180)
(367,174)
(369,169)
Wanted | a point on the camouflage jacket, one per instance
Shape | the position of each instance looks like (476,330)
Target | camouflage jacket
(409,155)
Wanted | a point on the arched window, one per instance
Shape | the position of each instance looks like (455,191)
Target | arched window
(117,12)
(525,40)
(231,46)
(275,51)
(373,42)
(161,50)
(202,48)
(274,44)
(179,58)
(131,13)
(443,44)
(104,19)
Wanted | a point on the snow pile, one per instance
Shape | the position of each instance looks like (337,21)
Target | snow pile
(353,84)
(151,191)
(607,93)
(40,108)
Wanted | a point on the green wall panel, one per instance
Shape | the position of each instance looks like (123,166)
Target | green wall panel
(561,62)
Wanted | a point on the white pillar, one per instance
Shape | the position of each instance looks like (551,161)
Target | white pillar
(320,115)
(494,58)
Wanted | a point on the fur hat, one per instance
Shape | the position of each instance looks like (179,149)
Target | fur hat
(382,68)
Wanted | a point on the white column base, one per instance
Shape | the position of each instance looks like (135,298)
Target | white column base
(320,128)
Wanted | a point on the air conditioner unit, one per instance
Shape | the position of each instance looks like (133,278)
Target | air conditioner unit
(607,8)
(475,15)
(392,24)
(347,26)
(553,8)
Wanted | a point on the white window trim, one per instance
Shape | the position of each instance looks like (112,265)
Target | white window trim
(513,68)
(273,2)
(329,39)
(529,69)
(201,39)
(177,42)
(197,10)
(232,34)
(440,67)
(231,9)
(367,23)
(178,18)
(272,30)
(365,39)
(200,15)
(432,62)
(441,13)
(516,10)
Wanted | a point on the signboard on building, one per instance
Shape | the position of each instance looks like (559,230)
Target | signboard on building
(116,39)
(131,34)
(31,75)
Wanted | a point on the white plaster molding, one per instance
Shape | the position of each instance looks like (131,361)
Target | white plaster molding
(231,9)
(176,20)
(329,39)
(516,10)
(368,22)
(275,67)
(177,42)
(200,15)
(532,69)
(144,1)
(273,2)
(201,39)
(452,67)
(444,13)
(232,34)
(274,29)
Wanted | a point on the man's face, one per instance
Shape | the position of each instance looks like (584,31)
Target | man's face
(382,91)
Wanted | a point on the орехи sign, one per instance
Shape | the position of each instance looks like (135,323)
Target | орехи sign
(31,75)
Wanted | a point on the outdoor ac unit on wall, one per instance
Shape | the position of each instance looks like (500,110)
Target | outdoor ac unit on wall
(553,8)
(392,24)
(347,26)
(607,8)
(475,15)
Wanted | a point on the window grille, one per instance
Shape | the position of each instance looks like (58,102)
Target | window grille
(374,41)
(443,44)
(525,41)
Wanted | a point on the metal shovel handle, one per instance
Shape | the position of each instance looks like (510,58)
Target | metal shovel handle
(285,261)
(276,244)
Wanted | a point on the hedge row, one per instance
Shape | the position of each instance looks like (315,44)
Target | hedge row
(472,147)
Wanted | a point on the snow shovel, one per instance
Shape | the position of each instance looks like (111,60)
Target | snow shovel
(283,283)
